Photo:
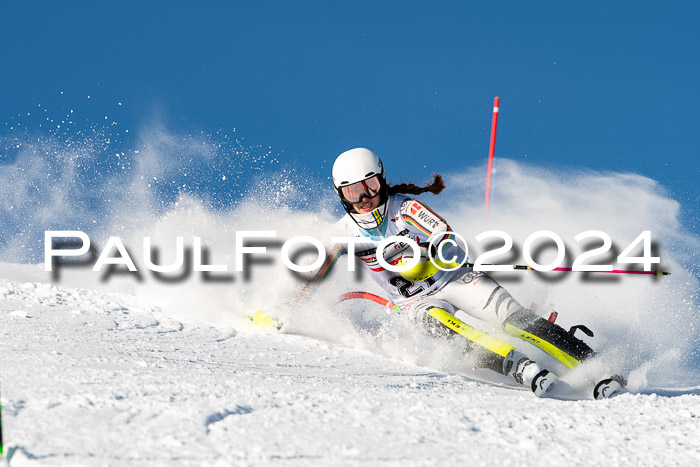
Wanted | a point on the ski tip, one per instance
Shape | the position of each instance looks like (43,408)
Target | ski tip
(263,321)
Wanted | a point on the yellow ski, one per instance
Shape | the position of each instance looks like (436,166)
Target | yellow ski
(478,337)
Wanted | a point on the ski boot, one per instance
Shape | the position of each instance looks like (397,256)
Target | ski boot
(529,373)
(609,387)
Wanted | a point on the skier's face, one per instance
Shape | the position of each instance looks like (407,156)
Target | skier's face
(367,205)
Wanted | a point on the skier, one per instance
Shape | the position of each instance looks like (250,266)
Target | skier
(430,296)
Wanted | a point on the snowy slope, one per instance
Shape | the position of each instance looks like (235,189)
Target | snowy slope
(91,377)
(129,372)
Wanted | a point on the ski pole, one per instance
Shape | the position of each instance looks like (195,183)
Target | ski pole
(521,267)
(336,253)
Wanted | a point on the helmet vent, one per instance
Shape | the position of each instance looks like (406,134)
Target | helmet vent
(368,174)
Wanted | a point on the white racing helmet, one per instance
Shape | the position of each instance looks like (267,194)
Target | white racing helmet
(359,173)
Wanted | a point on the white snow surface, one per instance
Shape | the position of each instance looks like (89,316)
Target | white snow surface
(91,377)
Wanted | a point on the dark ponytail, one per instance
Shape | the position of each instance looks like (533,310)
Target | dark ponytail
(410,189)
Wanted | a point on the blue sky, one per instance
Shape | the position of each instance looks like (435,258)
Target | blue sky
(597,85)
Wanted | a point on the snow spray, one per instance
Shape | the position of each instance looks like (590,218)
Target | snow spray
(163,183)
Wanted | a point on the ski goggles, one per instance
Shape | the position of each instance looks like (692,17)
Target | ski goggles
(368,188)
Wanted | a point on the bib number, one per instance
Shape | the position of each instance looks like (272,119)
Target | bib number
(404,286)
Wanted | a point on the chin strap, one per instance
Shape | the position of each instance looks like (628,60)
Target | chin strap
(371,220)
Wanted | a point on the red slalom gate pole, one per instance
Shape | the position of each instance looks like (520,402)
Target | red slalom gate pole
(371,297)
(492,149)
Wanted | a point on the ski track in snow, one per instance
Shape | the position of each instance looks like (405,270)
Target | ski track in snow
(94,378)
